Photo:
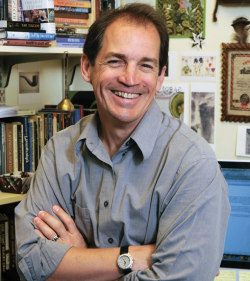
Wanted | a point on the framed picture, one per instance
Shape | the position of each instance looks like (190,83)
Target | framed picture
(235,82)
(183,17)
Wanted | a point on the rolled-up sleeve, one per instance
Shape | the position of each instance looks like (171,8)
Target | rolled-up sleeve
(37,258)
(192,226)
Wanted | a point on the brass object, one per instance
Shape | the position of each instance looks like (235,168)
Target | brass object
(66,105)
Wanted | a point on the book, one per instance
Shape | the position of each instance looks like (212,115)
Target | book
(24,112)
(37,121)
(83,11)
(69,45)
(20,24)
(28,43)
(71,35)
(6,111)
(32,145)
(3,146)
(12,242)
(20,159)
(9,148)
(79,3)
(70,20)
(41,130)
(2,237)
(40,11)
(22,29)
(1,173)
(27,35)
(70,40)
(54,127)
(71,30)
(15,155)
(69,14)
(71,25)
(7,242)
(13,10)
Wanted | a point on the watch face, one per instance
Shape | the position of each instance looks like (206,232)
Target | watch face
(124,261)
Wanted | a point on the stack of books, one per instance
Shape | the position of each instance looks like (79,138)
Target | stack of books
(71,21)
(28,23)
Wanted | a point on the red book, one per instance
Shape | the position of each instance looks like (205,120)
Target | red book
(31,43)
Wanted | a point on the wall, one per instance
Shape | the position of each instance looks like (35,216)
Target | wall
(216,33)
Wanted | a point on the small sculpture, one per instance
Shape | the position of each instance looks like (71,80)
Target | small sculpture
(241,27)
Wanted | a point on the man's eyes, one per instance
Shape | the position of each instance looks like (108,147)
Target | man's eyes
(115,62)
(147,65)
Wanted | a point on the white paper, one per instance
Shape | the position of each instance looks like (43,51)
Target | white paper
(241,141)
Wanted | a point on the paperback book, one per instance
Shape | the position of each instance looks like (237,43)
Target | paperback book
(73,15)
(29,43)
(27,35)
(40,11)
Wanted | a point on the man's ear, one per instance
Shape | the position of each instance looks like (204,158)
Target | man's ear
(85,68)
(160,79)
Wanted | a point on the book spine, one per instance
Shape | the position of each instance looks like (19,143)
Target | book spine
(41,132)
(3,129)
(74,35)
(39,136)
(1,10)
(69,45)
(50,125)
(46,134)
(9,148)
(77,115)
(20,24)
(20,10)
(97,9)
(70,20)
(1,164)
(30,145)
(70,40)
(24,30)
(69,14)
(15,161)
(72,9)
(71,30)
(12,242)
(2,235)
(54,127)
(14,10)
(29,35)
(81,4)
(81,111)
(7,243)
(35,144)
(32,43)
(19,147)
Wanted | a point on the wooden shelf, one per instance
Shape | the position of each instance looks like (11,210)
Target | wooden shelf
(7,198)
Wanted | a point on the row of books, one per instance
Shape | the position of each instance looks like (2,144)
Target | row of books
(7,250)
(43,21)
(22,138)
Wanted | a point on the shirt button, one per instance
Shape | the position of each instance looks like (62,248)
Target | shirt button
(110,240)
(106,204)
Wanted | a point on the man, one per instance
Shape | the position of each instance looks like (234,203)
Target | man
(128,175)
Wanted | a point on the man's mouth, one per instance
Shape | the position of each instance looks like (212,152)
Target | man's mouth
(126,95)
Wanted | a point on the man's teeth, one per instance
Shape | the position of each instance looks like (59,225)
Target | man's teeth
(126,95)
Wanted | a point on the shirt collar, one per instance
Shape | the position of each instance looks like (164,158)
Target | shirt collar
(146,132)
(144,135)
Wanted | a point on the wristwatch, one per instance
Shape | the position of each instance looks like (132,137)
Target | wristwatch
(125,260)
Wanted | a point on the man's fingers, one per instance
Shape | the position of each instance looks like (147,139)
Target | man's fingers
(44,229)
(65,218)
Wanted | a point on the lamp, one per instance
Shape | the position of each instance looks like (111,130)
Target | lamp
(65,104)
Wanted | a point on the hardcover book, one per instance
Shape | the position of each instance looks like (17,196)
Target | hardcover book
(27,35)
(70,20)
(79,3)
(29,43)
(9,148)
(20,24)
(72,15)
(3,144)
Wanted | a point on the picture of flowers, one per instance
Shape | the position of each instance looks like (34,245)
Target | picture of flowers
(183,17)
(198,66)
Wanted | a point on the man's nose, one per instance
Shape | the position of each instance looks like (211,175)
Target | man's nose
(130,75)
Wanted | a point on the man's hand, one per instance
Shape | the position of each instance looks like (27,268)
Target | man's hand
(67,231)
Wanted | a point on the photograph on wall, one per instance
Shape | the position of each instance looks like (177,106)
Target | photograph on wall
(203,111)
(170,73)
(183,17)
(198,66)
(173,99)
(29,83)
(243,141)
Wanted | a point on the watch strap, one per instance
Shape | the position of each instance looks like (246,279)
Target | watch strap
(124,250)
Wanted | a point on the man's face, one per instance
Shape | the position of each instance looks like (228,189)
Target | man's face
(125,74)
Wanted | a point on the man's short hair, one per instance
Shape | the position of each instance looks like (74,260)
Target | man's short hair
(135,12)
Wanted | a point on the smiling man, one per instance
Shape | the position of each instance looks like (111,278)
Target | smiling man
(128,192)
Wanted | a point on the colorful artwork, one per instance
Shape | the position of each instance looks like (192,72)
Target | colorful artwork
(198,65)
(183,17)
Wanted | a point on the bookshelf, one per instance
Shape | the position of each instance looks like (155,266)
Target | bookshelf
(8,198)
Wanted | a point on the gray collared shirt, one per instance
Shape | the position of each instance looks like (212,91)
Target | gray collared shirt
(163,186)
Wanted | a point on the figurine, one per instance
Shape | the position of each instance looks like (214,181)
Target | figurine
(241,27)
